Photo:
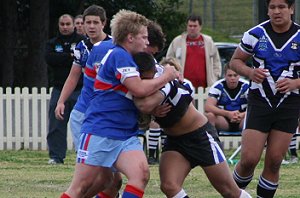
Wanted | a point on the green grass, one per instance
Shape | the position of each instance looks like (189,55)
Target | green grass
(26,174)
(224,19)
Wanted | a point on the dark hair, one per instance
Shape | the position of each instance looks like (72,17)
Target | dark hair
(95,10)
(226,67)
(195,17)
(156,36)
(79,16)
(289,2)
(144,61)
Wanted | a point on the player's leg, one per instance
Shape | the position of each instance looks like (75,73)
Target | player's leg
(173,169)
(132,162)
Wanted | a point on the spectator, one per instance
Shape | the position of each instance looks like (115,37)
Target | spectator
(274,91)
(227,101)
(109,132)
(197,54)
(189,143)
(59,55)
(78,21)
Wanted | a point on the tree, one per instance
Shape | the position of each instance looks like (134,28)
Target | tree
(8,34)
(26,25)
(36,70)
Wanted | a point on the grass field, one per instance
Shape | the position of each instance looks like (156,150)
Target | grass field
(26,174)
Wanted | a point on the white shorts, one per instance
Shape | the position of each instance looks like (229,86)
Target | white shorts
(76,120)
(101,151)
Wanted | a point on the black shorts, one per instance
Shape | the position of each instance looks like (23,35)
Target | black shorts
(265,119)
(232,126)
(199,147)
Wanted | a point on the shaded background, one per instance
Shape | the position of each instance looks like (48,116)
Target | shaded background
(26,25)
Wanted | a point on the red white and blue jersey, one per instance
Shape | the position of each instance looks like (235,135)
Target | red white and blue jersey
(92,65)
(111,112)
(280,54)
(230,99)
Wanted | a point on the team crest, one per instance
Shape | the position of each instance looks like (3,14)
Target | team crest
(294,45)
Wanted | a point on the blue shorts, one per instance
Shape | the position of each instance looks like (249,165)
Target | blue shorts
(102,151)
(76,120)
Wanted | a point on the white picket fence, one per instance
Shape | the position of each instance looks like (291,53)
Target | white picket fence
(24,119)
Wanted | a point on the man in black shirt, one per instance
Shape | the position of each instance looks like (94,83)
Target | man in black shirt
(59,57)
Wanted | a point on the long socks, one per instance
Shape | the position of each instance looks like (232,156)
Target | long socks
(265,188)
(242,182)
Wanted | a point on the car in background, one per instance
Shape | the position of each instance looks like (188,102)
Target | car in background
(226,51)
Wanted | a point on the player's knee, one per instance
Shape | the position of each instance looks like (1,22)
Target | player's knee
(169,188)
(248,163)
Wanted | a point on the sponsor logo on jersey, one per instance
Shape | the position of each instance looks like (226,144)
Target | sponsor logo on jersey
(59,48)
(294,46)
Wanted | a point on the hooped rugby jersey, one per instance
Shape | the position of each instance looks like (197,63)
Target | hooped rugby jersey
(230,99)
(179,96)
(280,54)
(90,71)
(111,112)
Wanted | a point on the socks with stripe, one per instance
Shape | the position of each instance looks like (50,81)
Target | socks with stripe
(153,140)
(242,182)
(103,195)
(64,195)
(265,188)
(132,192)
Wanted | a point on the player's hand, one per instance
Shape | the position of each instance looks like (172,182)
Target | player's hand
(161,110)
(233,116)
(258,74)
(286,85)
(170,72)
(59,111)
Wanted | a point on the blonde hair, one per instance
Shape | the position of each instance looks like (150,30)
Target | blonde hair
(126,22)
(173,62)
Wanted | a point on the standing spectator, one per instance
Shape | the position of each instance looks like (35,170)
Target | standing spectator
(273,100)
(109,138)
(94,18)
(197,54)
(59,57)
(78,21)
(227,101)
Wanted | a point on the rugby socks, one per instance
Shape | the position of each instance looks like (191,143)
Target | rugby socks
(153,140)
(242,182)
(265,188)
(181,194)
(103,195)
(292,147)
(132,192)
(64,195)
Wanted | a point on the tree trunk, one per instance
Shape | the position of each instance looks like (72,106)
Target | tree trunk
(8,13)
(36,72)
